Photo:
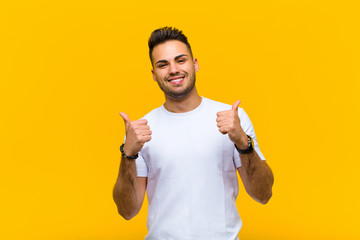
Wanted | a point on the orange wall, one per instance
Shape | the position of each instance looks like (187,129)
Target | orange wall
(68,67)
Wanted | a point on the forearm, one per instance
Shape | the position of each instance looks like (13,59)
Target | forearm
(126,190)
(256,176)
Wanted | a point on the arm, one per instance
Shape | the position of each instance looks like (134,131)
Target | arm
(254,172)
(256,176)
(129,190)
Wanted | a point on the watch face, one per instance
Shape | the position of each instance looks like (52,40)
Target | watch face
(250,141)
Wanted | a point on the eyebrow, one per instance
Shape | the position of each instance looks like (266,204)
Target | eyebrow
(177,57)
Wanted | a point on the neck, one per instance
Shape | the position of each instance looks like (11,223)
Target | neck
(186,104)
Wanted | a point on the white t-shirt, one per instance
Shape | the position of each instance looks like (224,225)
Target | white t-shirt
(191,174)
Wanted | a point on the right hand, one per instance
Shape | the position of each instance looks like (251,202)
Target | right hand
(137,134)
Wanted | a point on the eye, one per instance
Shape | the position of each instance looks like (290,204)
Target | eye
(181,60)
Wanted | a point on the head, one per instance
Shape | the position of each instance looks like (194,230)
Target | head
(173,64)
(164,34)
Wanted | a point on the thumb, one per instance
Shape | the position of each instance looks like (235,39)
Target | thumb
(126,119)
(236,105)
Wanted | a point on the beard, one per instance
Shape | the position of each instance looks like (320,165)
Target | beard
(178,94)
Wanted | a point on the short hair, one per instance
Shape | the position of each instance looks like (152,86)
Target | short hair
(164,34)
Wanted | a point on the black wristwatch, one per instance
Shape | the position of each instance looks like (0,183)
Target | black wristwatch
(249,149)
(126,156)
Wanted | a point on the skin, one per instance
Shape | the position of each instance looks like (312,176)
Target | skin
(172,60)
(255,174)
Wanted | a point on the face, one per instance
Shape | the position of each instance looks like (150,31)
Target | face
(174,69)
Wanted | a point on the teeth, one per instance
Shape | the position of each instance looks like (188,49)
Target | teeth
(177,80)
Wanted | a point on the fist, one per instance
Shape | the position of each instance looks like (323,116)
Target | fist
(137,134)
(228,122)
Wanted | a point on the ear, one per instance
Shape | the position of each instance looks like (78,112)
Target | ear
(196,65)
(153,75)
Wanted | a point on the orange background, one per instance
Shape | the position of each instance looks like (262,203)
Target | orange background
(68,67)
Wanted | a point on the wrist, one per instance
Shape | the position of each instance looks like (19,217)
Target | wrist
(126,154)
(127,151)
(242,143)
(248,149)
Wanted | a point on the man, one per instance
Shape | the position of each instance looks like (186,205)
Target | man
(187,152)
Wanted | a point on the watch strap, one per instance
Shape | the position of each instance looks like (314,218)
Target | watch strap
(126,156)
(249,149)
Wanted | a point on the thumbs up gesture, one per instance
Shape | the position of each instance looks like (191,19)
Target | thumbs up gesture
(228,122)
(137,134)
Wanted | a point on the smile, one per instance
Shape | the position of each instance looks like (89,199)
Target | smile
(177,80)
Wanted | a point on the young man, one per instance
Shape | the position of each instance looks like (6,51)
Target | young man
(187,152)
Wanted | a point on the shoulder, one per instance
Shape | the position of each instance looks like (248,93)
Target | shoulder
(216,104)
(152,115)
(219,106)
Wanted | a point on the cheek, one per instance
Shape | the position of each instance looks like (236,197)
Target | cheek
(161,76)
(190,69)
(160,72)
(157,75)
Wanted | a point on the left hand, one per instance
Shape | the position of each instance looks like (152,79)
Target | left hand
(228,122)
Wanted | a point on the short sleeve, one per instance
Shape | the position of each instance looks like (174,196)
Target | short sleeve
(249,130)
(141,167)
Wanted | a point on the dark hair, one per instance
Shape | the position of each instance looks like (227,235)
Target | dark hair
(164,34)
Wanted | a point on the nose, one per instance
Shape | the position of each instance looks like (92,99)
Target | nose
(173,69)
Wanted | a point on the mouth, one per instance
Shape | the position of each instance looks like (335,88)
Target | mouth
(176,80)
